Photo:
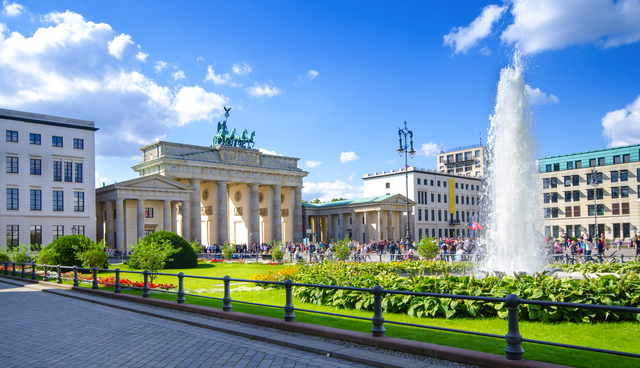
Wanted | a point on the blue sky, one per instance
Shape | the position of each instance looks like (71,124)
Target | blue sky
(327,82)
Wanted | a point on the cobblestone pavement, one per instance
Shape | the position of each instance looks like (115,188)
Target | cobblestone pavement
(45,330)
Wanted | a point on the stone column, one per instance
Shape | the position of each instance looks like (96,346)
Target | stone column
(186,219)
(341,227)
(329,228)
(99,222)
(354,225)
(390,225)
(367,224)
(277,213)
(174,217)
(109,238)
(254,215)
(298,231)
(305,225)
(120,224)
(380,225)
(223,212)
(402,227)
(166,215)
(318,229)
(196,214)
(140,218)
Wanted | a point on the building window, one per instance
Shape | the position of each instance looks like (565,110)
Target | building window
(34,138)
(570,230)
(592,162)
(545,183)
(624,192)
(567,196)
(12,236)
(438,182)
(78,201)
(615,209)
(35,166)
(445,198)
(433,215)
(35,199)
(600,209)
(419,214)
(472,200)
(387,185)
(626,158)
(599,178)
(68,172)
(12,199)
(567,211)
(79,172)
(576,211)
(556,231)
(12,136)
(57,170)
(547,168)
(79,229)
(432,198)
(590,210)
(624,208)
(418,181)
(56,141)
(78,143)
(148,212)
(58,200)
(456,199)
(624,175)
(601,161)
(12,165)
(547,212)
(567,181)
(554,182)
(36,234)
(569,165)
(58,231)
(576,180)
(576,195)
(578,165)
(554,197)
(614,176)
(554,212)
(616,159)
(439,215)
(599,193)
(148,232)
(444,184)
(589,194)
(556,167)
(626,230)
(616,231)
(615,192)
(431,181)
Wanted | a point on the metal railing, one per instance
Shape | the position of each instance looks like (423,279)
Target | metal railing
(513,338)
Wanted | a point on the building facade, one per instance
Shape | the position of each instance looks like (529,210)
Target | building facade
(49,178)
(583,188)
(211,194)
(467,161)
(363,219)
(444,203)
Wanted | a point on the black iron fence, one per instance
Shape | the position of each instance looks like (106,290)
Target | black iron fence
(513,338)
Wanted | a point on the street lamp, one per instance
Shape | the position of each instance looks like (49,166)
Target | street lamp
(408,149)
(74,230)
(594,172)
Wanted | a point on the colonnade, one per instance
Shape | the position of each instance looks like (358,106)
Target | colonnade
(362,225)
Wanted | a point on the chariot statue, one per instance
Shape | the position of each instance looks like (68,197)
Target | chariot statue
(226,138)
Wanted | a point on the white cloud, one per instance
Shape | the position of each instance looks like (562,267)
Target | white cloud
(12,9)
(160,65)
(200,58)
(461,39)
(348,156)
(537,97)
(389,162)
(267,90)
(178,75)
(312,164)
(622,126)
(216,78)
(142,56)
(119,44)
(48,71)
(327,191)
(101,179)
(243,69)
(351,176)
(267,152)
(552,24)
(312,74)
(429,149)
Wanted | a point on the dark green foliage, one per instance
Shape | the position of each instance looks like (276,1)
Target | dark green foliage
(185,258)
(65,249)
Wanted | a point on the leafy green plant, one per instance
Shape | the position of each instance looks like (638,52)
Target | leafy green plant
(48,255)
(185,257)
(4,257)
(19,254)
(65,249)
(196,246)
(228,250)
(93,255)
(428,248)
(152,255)
(277,253)
(342,250)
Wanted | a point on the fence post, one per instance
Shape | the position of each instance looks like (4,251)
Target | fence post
(181,298)
(6,268)
(75,275)
(226,301)
(566,259)
(13,272)
(514,349)
(22,273)
(288,306)
(621,258)
(378,321)
(145,287)
(45,277)
(33,270)
(94,284)
(116,288)
(59,274)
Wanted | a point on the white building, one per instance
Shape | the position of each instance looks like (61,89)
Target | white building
(444,203)
(467,161)
(49,178)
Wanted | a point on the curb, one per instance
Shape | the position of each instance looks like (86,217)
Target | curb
(392,343)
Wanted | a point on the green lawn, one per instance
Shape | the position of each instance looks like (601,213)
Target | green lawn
(611,336)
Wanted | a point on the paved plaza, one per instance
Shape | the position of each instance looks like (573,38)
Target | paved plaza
(45,330)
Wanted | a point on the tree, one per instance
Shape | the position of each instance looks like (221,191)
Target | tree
(228,250)
(92,255)
(151,255)
(428,248)
(277,253)
(338,199)
(342,249)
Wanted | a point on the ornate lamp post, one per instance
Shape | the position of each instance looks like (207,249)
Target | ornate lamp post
(74,230)
(595,196)
(406,150)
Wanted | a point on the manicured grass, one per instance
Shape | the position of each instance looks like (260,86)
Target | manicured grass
(612,336)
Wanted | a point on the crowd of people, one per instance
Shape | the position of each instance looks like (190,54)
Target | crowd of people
(586,246)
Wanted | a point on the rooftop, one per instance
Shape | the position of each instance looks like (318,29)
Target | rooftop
(29,117)
(633,152)
(413,169)
(350,201)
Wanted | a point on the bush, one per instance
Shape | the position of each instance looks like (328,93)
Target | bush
(152,255)
(277,252)
(66,248)
(428,248)
(343,252)
(94,256)
(185,258)
(197,248)
(228,250)
(4,257)
(48,256)
(19,254)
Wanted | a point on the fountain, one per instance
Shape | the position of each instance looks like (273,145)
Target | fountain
(511,195)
